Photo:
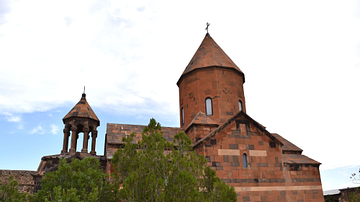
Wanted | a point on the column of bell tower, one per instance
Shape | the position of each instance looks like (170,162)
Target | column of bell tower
(80,119)
(212,84)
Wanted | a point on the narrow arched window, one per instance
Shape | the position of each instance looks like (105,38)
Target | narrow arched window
(245,163)
(240,105)
(182,116)
(208,106)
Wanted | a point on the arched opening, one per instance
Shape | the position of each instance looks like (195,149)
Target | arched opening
(208,106)
(182,116)
(79,137)
(240,105)
(245,162)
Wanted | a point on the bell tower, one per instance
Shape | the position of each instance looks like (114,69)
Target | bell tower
(211,83)
(80,119)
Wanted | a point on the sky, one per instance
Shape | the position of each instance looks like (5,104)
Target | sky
(301,61)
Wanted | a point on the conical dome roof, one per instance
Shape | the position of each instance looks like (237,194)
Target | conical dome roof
(210,54)
(82,109)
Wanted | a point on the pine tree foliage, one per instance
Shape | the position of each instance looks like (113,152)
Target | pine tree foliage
(355,196)
(80,180)
(157,170)
(9,191)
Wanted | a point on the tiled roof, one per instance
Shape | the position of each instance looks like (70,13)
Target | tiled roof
(209,54)
(288,146)
(238,114)
(201,119)
(298,159)
(82,109)
(115,133)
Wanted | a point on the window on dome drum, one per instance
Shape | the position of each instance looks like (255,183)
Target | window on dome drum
(240,105)
(208,106)
(182,116)
(245,163)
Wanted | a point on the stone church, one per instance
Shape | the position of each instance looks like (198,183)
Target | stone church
(260,165)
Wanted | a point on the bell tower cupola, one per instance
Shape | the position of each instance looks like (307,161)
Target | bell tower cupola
(211,83)
(80,119)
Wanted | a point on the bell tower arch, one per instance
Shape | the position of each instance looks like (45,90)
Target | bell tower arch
(80,119)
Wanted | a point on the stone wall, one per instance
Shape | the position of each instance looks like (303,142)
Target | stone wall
(223,86)
(247,158)
(23,177)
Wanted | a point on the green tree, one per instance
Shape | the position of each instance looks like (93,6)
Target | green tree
(355,196)
(215,189)
(9,192)
(81,180)
(157,170)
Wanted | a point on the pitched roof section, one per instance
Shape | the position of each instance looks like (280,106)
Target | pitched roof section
(115,133)
(298,159)
(201,119)
(240,113)
(210,54)
(82,109)
(288,146)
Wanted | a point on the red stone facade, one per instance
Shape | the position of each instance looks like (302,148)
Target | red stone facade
(224,86)
(262,166)
(270,175)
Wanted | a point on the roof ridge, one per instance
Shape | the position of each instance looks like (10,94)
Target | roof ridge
(200,113)
(288,146)
(141,125)
(213,133)
(299,159)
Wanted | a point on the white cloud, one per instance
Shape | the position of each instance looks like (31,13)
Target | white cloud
(37,130)
(126,45)
(54,129)
(108,36)
(11,117)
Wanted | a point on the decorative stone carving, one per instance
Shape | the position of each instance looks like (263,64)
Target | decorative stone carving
(226,91)
(191,95)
